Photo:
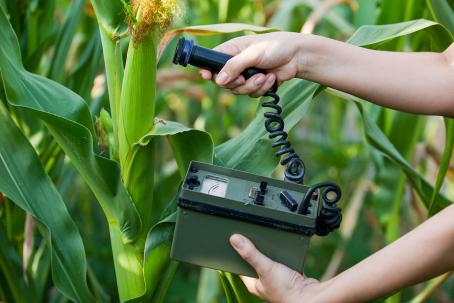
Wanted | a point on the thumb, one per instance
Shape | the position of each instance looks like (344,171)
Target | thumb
(249,57)
(262,264)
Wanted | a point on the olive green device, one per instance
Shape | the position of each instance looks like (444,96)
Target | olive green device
(214,202)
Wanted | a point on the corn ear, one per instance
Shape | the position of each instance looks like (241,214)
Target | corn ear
(137,102)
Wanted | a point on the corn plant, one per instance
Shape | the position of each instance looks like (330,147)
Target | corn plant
(66,137)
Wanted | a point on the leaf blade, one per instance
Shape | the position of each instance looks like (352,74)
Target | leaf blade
(210,29)
(36,194)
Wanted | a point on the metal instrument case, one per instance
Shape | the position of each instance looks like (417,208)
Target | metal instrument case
(215,202)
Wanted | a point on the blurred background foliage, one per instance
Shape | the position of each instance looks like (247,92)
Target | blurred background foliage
(60,40)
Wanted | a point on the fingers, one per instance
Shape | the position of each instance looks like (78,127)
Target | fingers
(230,76)
(268,84)
(206,74)
(249,57)
(250,284)
(275,281)
(251,85)
(229,47)
(236,83)
(262,264)
(256,86)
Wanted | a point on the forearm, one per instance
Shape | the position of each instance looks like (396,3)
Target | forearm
(412,82)
(419,255)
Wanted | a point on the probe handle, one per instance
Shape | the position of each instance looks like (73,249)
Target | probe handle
(189,53)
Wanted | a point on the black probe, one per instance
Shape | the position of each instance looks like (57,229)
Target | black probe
(189,53)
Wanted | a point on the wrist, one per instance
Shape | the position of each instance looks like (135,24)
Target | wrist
(306,56)
(316,57)
(315,292)
(326,293)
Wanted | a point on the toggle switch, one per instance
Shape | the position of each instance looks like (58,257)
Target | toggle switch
(262,187)
(288,200)
(259,199)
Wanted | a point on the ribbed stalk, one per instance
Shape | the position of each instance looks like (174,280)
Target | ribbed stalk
(128,266)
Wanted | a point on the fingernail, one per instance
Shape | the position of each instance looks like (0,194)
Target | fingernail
(270,79)
(259,81)
(237,241)
(222,78)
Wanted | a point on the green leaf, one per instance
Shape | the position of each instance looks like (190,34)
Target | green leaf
(64,39)
(164,284)
(240,290)
(208,285)
(228,290)
(40,267)
(85,71)
(228,9)
(68,119)
(287,18)
(157,250)
(444,166)
(23,180)
(443,13)
(11,268)
(111,17)
(157,255)
(387,200)
(373,36)
(41,31)
(111,21)
(187,144)
(210,29)
(392,11)
(379,140)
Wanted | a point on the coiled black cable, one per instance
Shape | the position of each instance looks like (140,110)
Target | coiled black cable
(187,52)
(330,215)
(274,125)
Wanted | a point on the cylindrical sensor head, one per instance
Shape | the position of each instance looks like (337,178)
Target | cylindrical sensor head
(189,53)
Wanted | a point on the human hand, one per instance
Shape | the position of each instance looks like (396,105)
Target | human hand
(276,283)
(278,53)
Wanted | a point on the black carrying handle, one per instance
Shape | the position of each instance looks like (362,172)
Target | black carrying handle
(189,53)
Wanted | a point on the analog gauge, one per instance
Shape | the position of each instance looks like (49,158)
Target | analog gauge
(214,186)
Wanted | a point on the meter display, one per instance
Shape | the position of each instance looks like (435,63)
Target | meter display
(214,186)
